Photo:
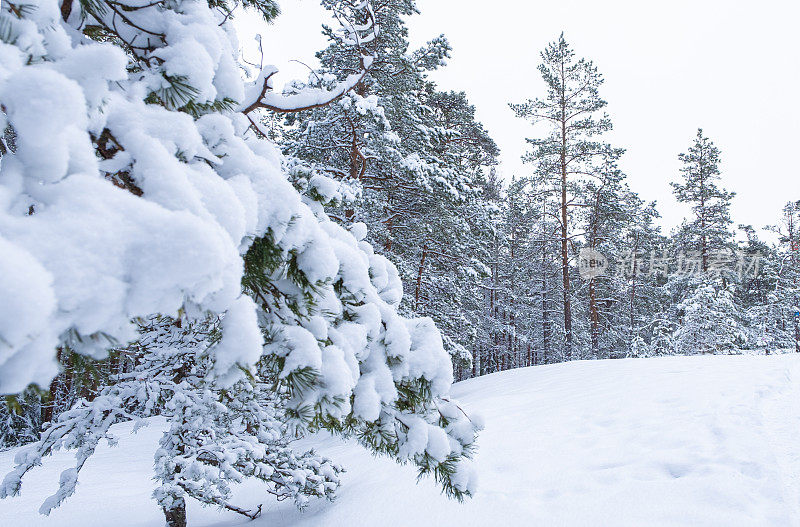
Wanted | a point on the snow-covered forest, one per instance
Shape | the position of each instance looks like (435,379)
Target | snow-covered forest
(247,275)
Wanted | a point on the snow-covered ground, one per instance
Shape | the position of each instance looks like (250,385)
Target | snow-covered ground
(667,441)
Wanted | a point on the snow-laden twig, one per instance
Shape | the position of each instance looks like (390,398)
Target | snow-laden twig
(259,93)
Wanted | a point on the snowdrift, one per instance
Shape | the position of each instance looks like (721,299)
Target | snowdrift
(667,441)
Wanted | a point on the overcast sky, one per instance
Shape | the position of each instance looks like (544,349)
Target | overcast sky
(730,67)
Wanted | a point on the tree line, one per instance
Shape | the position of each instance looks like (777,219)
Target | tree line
(497,263)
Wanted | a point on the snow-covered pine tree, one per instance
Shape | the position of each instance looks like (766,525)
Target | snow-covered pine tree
(445,245)
(710,317)
(787,269)
(484,345)
(380,134)
(79,377)
(756,294)
(661,334)
(416,157)
(150,191)
(638,347)
(516,295)
(215,438)
(571,149)
(548,272)
(120,157)
(496,331)
(709,231)
(764,330)
(609,209)
(21,417)
(640,282)
(710,321)
(350,362)
(790,273)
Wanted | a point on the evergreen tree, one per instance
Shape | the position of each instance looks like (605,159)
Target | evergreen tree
(519,271)
(167,204)
(662,341)
(547,273)
(640,284)
(571,151)
(609,211)
(709,231)
(510,294)
(787,276)
(416,158)
(21,418)
(216,437)
(709,320)
(755,293)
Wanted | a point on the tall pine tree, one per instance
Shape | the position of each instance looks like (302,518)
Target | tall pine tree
(571,152)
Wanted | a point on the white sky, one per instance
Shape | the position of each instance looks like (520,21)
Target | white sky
(730,67)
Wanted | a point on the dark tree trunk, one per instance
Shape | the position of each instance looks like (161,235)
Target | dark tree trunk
(49,409)
(594,317)
(565,271)
(387,246)
(418,289)
(176,516)
(797,334)
(564,226)
(66,9)
(632,321)
(703,215)
(594,310)
(545,308)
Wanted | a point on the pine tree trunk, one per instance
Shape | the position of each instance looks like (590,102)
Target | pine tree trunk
(564,233)
(704,240)
(565,272)
(797,334)
(387,246)
(632,322)
(594,317)
(418,289)
(494,363)
(594,312)
(66,9)
(176,515)
(545,309)
(48,410)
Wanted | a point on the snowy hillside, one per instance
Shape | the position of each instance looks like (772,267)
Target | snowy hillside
(667,441)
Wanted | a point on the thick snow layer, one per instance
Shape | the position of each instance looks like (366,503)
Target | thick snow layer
(666,441)
(82,258)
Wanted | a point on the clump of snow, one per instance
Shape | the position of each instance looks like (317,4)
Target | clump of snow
(95,256)
(25,312)
(241,339)
(359,230)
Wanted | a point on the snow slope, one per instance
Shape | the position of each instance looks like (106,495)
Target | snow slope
(666,441)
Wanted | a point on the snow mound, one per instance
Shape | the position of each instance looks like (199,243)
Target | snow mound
(666,441)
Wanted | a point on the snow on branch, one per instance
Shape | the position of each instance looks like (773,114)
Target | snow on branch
(259,94)
(351,34)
